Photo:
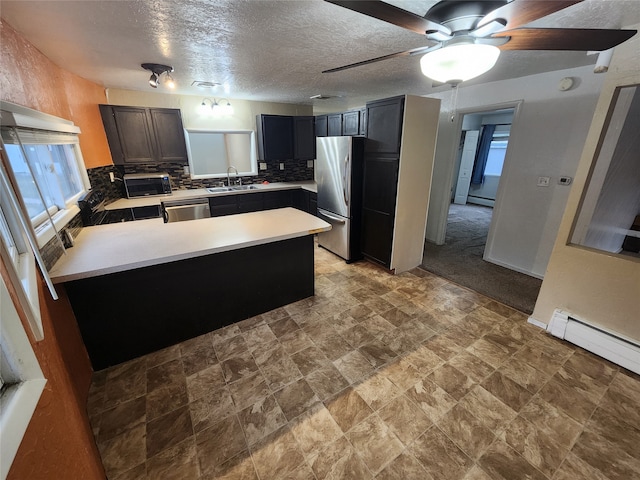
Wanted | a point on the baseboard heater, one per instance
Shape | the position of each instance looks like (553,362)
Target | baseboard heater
(614,348)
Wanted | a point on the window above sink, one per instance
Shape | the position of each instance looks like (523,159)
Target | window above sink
(213,152)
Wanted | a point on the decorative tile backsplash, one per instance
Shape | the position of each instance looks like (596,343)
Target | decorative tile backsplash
(100,180)
(294,171)
(53,250)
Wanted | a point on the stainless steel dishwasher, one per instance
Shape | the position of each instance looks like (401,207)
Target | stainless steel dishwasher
(185,209)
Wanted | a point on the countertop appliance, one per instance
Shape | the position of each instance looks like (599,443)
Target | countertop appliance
(185,209)
(92,210)
(338,174)
(145,184)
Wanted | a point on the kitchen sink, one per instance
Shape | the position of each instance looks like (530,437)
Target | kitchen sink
(218,189)
(231,189)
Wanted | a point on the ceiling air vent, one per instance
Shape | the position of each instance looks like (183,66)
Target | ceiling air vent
(204,84)
(321,96)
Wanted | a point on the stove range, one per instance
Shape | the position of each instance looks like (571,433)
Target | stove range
(93,212)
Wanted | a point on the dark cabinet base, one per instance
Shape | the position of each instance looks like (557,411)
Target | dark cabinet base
(128,314)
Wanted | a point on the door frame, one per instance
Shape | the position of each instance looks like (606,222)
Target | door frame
(457,132)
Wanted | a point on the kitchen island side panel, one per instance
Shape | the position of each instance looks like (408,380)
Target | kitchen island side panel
(128,314)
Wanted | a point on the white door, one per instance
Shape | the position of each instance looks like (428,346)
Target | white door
(466,166)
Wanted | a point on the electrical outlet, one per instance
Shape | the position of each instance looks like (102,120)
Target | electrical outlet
(282,166)
(565,180)
(185,169)
(111,177)
(309,163)
(263,165)
(543,181)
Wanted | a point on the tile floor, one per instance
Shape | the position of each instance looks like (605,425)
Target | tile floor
(377,376)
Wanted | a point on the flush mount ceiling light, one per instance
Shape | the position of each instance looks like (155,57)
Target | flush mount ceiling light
(215,107)
(460,61)
(157,70)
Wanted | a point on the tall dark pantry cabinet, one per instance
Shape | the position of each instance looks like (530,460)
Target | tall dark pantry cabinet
(398,164)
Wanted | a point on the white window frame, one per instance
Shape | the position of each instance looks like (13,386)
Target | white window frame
(21,374)
(195,155)
(18,257)
(25,118)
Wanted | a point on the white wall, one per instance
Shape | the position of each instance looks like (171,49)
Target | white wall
(598,288)
(547,136)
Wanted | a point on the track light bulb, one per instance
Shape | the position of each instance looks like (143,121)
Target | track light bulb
(153,80)
(169,82)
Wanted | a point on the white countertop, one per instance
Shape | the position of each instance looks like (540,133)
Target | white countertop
(202,192)
(125,246)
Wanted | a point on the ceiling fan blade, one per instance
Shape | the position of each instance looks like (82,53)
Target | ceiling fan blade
(414,51)
(388,13)
(578,39)
(520,12)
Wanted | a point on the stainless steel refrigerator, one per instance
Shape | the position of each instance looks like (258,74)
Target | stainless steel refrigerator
(338,174)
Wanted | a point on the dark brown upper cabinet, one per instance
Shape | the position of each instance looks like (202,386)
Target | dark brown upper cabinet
(304,141)
(334,125)
(384,126)
(363,122)
(321,125)
(144,135)
(284,137)
(275,137)
(351,123)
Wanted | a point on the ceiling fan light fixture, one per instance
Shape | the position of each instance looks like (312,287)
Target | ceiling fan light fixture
(460,62)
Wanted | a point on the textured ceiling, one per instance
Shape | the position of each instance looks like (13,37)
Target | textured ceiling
(266,50)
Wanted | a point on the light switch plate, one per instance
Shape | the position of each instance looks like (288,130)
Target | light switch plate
(263,165)
(543,181)
(282,166)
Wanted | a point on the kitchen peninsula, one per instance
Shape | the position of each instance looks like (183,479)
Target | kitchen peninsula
(137,287)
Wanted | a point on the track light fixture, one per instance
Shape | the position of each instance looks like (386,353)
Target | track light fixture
(157,70)
(216,107)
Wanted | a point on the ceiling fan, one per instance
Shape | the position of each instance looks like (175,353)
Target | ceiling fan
(466,36)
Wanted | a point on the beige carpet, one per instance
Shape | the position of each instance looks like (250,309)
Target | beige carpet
(460,260)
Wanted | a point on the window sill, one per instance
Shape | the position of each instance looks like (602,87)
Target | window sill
(19,403)
(45,232)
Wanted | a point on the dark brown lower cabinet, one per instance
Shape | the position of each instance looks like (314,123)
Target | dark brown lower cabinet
(377,236)
(150,308)
(378,207)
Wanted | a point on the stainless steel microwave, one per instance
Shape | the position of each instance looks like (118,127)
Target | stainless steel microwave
(145,184)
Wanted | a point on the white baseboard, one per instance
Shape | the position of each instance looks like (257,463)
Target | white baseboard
(537,323)
(511,267)
(485,202)
(609,345)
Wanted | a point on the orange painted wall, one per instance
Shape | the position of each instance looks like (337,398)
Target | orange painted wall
(58,442)
(30,79)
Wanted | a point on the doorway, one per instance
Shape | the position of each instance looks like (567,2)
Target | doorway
(478,164)
(484,139)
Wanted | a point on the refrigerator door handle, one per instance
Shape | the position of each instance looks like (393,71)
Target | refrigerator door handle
(331,218)
(345,177)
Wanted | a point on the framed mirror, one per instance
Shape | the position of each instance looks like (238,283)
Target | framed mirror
(609,216)
(212,152)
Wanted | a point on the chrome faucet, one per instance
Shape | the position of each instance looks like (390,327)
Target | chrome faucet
(229,178)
